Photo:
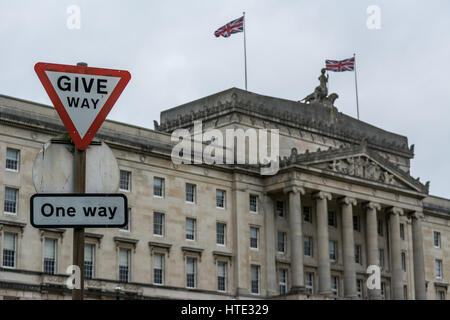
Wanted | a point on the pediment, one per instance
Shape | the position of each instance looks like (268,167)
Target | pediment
(358,162)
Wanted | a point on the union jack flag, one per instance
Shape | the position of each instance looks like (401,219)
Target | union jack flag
(234,26)
(340,66)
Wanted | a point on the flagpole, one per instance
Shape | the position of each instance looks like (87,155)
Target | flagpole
(356,87)
(245,56)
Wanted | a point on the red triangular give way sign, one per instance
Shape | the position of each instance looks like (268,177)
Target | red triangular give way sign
(82,96)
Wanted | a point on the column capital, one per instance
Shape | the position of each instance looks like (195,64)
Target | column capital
(372,205)
(321,195)
(294,189)
(417,215)
(347,201)
(395,211)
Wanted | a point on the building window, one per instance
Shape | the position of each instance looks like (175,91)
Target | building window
(332,221)
(308,246)
(358,253)
(190,229)
(307,214)
(309,283)
(158,268)
(221,231)
(124,264)
(282,279)
(254,238)
(255,279)
(9,250)
(402,231)
(191,272)
(125,181)
(190,192)
(403,261)
(127,227)
(158,224)
(333,250)
(220,199)
(359,288)
(280,208)
(380,227)
(437,239)
(440,294)
(381,258)
(253,203)
(438,268)
(356,223)
(50,256)
(158,187)
(405,292)
(221,276)
(281,242)
(335,285)
(11,196)
(12,159)
(89,253)
(383,291)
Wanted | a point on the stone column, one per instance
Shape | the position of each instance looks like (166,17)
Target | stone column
(296,236)
(269,223)
(418,256)
(322,241)
(372,242)
(396,254)
(348,247)
(240,231)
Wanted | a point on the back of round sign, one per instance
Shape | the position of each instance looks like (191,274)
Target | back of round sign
(53,169)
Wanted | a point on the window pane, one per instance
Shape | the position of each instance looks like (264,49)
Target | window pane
(158,268)
(190,272)
(255,279)
(220,198)
(158,223)
(88,261)
(307,216)
(253,203)
(254,237)
(220,233)
(11,200)
(309,283)
(190,229)
(281,241)
(9,250)
(308,246)
(12,159)
(124,265)
(158,187)
(280,208)
(125,179)
(190,192)
(282,276)
(356,225)
(437,239)
(50,256)
(127,227)
(221,275)
(332,218)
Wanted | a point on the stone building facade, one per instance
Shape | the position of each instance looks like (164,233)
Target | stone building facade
(342,200)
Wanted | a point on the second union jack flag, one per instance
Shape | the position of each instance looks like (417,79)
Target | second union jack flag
(340,66)
(234,26)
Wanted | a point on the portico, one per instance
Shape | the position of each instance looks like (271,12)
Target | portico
(391,199)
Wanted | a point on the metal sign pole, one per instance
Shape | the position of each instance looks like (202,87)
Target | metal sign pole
(78,233)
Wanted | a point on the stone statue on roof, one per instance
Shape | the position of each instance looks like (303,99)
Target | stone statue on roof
(320,94)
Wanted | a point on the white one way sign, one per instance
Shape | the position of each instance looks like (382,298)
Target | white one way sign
(79,210)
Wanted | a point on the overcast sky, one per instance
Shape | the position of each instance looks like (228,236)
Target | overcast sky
(170,50)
